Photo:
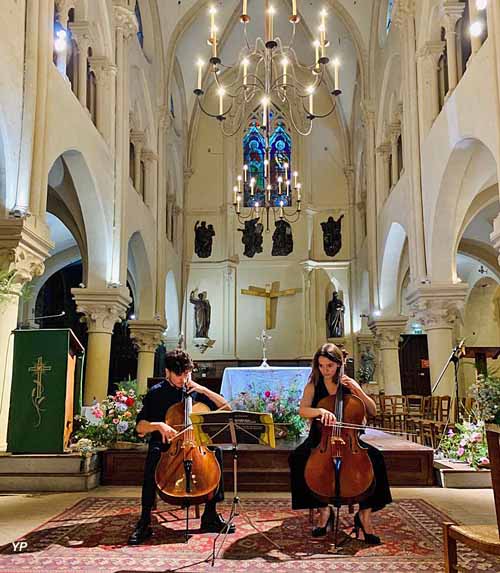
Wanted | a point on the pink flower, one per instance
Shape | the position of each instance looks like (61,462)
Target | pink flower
(460,452)
(477,437)
(267,393)
(116,420)
(97,412)
(451,433)
(483,461)
(463,442)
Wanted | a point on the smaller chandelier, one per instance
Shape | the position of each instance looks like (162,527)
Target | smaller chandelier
(270,83)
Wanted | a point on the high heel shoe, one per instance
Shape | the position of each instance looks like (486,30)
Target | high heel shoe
(321,531)
(370,538)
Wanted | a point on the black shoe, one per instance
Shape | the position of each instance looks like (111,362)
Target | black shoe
(141,532)
(321,531)
(215,524)
(370,538)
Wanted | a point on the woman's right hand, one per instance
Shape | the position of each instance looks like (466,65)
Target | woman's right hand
(166,431)
(326,417)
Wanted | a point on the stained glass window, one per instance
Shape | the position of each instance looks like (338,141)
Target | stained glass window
(254,147)
(140,31)
(388,20)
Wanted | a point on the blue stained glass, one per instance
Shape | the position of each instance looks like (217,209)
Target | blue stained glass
(253,156)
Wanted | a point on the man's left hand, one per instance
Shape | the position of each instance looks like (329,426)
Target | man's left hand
(193,386)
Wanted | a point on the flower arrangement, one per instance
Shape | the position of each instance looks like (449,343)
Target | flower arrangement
(486,393)
(282,403)
(466,443)
(116,416)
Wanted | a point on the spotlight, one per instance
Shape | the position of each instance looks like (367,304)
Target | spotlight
(476,29)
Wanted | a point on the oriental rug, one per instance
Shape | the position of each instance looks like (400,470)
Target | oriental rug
(91,537)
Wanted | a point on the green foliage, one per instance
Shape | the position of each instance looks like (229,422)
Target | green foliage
(282,403)
(116,417)
(486,393)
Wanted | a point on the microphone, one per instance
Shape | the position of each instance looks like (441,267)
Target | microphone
(25,324)
(62,313)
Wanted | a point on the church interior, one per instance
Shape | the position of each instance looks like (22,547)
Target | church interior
(247,181)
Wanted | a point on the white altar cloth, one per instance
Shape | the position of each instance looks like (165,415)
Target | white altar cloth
(237,380)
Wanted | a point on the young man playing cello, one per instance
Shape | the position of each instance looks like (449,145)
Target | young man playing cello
(151,420)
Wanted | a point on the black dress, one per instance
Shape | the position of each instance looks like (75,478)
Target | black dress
(303,497)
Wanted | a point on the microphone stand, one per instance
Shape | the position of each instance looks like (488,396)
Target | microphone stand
(454,357)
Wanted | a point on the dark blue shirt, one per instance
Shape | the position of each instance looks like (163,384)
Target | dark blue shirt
(159,399)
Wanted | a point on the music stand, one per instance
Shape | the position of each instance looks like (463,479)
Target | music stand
(232,428)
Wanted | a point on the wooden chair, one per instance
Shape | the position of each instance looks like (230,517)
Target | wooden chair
(444,408)
(398,412)
(479,537)
(414,413)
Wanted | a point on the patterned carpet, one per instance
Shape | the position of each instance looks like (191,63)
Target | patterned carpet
(90,537)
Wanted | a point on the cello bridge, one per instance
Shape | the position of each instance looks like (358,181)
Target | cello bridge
(338,440)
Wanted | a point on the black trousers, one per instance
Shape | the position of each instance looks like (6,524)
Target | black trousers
(148,497)
(303,497)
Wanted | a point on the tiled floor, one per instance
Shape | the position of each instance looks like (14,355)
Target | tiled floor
(20,513)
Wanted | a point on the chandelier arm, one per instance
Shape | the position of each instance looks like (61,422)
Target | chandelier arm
(231,133)
(323,115)
(294,124)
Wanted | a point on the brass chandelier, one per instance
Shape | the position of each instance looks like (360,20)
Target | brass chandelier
(270,82)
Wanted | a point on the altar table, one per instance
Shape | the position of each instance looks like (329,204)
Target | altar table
(259,379)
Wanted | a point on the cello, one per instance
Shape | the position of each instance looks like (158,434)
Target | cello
(339,470)
(186,474)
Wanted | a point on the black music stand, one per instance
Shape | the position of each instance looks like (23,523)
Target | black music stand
(233,428)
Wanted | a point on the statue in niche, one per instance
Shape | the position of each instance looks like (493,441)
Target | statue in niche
(201,312)
(282,239)
(335,317)
(252,237)
(367,366)
(203,235)
(332,235)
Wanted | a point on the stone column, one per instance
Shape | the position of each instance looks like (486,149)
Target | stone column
(229,313)
(368,110)
(411,136)
(150,158)
(384,175)
(428,83)
(309,317)
(101,310)
(387,332)
(437,308)
(23,250)
(39,86)
(125,26)
(365,339)
(105,74)
(137,138)
(81,33)
(452,12)
(473,16)
(147,335)
(395,128)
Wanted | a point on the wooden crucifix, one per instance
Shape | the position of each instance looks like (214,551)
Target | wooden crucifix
(271,293)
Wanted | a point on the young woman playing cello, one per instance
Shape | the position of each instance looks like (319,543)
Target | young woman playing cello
(324,381)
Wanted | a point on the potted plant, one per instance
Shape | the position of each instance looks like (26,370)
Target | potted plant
(282,403)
